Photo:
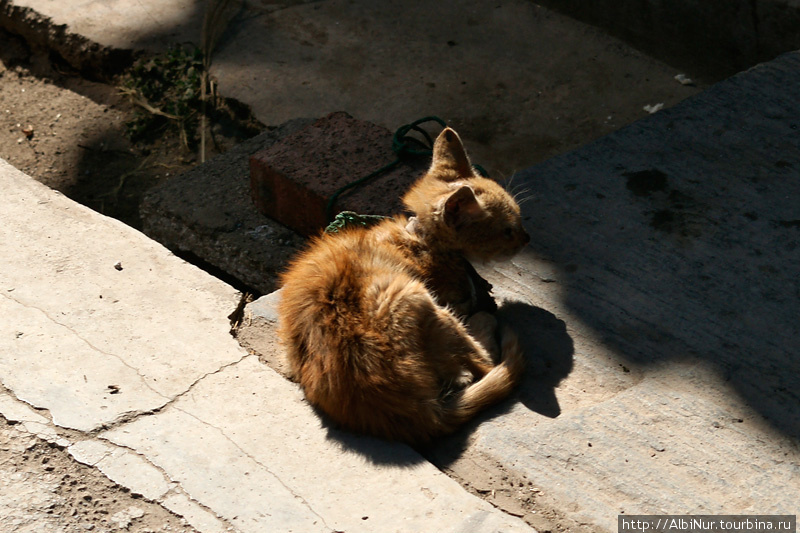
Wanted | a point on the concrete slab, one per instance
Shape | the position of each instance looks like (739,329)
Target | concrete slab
(123,466)
(261,465)
(146,384)
(719,39)
(97,35)
(493,71)
(672,242)
(659,298)
(722,39)
(101,331)
(218,223)
(30,420)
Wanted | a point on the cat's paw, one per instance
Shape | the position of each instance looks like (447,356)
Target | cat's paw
(464,380)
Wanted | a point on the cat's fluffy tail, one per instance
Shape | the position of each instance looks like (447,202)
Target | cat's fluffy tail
(493,387)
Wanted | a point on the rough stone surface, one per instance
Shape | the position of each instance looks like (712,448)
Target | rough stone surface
(674,244)
(43,489)
(658,299)
(724,37)
(267,465)
(490,70)
(209,214)
(34,21)
(680,234)
(720,38)
(122,466)
(293,180)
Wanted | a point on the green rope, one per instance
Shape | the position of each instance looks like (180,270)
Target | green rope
(402,145)
(350,218)
(335,196)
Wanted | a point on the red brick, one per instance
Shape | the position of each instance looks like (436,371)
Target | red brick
(292,180)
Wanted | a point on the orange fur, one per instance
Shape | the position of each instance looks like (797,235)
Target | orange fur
(374,319)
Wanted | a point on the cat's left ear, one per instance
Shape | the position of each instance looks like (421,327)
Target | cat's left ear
(450,160)
(461,206)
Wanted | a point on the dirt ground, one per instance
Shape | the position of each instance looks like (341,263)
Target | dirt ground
(43,489)
(70,134)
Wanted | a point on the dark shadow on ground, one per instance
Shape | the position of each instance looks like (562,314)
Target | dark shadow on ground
(111,178)
(376,451)
(679,236)
(732,37)
(548,352)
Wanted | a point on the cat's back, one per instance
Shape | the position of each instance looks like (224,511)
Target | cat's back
(346,258)
(338,277)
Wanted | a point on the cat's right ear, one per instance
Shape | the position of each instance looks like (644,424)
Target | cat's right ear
(461,206)
(450,160)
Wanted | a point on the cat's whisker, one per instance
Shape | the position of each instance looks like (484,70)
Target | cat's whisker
(521,192)
(509,182)
(520,187)
(526,199)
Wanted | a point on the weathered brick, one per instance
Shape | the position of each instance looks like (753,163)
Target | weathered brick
(292,180)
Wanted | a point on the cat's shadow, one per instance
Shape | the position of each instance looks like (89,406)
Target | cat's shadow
(549,353)
(548,350)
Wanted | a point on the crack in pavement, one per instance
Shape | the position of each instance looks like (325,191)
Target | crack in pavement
(262,465)
(87,342)
(174,485)
(128,416)
(177,482)
(68,437)
(131,416)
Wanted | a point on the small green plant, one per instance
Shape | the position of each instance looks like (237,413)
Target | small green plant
(167,90)
(172,89)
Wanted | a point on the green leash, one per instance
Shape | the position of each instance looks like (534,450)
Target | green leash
(402,145)
(350,218)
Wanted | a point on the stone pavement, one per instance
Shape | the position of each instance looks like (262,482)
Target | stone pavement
(118,350)
(671,251)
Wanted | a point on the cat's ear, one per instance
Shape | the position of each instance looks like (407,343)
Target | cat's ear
(450,160)
(461,206)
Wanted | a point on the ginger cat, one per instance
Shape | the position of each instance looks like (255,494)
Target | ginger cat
(375,321)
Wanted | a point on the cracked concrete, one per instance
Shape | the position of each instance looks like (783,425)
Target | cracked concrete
(120,352)
(237,444)
(43,490)
(652,386)
(133,470)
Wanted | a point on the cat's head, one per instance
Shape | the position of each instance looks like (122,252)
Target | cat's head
(465,211)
